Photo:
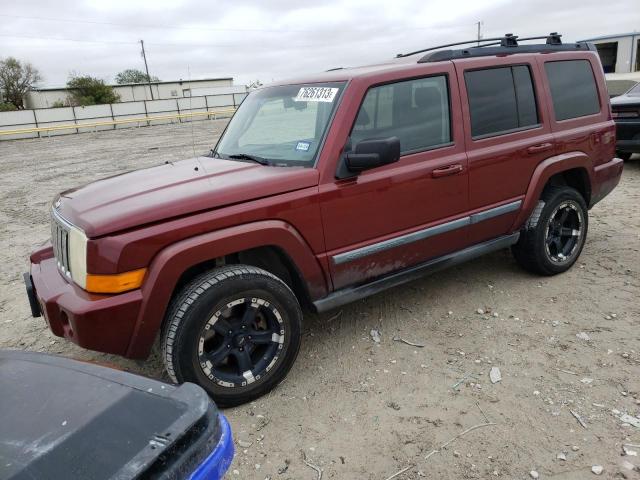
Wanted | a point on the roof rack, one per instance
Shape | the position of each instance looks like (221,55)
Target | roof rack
(508,44)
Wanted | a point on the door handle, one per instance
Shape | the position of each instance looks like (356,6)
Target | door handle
(446,171)
(541,147)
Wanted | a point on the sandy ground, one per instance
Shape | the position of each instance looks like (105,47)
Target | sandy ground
(364,410)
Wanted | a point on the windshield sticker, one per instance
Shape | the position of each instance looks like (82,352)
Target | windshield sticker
(303,146)
(316,94)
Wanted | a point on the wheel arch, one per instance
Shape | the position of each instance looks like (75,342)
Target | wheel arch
(573,169)
(266,242)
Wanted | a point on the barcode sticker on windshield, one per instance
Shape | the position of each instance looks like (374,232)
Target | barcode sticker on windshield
(316,94)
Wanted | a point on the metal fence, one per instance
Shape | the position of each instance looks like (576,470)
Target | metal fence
(67,120)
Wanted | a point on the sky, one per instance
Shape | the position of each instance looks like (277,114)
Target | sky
(273,39)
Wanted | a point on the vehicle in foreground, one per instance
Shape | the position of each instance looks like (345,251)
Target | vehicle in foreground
(64,419)
(327,189)
(626,113)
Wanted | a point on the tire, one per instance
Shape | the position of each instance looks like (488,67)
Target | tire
(626,156)
(235,331)
(547,246)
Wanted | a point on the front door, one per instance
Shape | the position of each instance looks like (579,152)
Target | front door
(392,217)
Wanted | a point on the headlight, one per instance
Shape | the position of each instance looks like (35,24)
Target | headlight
(78,256)
(70,251)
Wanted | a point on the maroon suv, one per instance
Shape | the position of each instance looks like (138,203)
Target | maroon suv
(326,189)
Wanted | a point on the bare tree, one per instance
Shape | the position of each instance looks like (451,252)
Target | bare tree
(254,85)
(16,79)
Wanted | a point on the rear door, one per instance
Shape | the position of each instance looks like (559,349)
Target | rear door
(580,116)
(507,135)
(395,216)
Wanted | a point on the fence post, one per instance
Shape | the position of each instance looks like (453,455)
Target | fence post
(75,120)
(146,113)
(113,119)
(206,107)
(35,120)
(178,108)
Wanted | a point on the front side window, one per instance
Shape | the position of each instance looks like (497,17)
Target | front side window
(282,125)
(501,100)
(573,88)
(415,111)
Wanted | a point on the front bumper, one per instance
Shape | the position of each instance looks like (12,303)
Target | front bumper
(628,135)
(104,323)
(217,463)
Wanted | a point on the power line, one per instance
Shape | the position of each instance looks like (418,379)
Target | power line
(33,37)
(176,27)
(180,45)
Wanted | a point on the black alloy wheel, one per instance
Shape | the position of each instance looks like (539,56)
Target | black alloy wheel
(241,342)
(564,231)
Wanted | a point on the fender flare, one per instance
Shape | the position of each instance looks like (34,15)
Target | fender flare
(541,175)
(171,262)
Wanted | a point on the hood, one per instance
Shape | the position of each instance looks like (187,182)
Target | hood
(175,189)
(622,100)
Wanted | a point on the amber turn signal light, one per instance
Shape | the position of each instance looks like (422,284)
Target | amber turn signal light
(117,283)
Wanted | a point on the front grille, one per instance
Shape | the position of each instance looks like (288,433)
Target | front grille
(60,241)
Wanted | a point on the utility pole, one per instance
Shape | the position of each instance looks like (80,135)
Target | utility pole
(144,56)
(479,31)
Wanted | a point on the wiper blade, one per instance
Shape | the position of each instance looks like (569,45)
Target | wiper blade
(253,158)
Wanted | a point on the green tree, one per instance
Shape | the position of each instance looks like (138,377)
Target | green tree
(132,75)
(16,79)
(86,90)
(7,107)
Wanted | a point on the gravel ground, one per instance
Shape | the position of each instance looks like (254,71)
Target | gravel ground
(364,410)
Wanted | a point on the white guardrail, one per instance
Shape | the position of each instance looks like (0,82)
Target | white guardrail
(45,122)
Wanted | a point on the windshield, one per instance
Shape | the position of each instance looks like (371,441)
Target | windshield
(282,125)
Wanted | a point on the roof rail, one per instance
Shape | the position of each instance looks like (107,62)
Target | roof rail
(507,44)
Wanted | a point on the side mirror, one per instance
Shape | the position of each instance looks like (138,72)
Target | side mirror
(369,154)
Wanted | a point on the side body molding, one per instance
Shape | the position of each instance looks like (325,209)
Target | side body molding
(167,267)
(543,172)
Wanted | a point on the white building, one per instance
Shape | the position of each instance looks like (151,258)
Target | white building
(618,53)
(47,97)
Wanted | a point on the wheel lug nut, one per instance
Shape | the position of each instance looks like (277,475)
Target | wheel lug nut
(241,349)
(228,346)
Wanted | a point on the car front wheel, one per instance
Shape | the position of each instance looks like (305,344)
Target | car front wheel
(235,331)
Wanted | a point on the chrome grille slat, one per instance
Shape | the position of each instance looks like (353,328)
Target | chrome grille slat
(60,242)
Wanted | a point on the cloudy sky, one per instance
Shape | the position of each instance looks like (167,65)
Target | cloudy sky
(273,39)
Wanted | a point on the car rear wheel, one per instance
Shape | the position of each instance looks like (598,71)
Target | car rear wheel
(235,331)
(555,233)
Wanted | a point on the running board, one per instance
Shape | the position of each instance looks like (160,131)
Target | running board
(351,294)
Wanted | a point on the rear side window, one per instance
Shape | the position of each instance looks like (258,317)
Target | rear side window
(573,88)
(501,100)
(415,111)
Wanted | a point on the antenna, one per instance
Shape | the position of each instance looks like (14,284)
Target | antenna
(193,138)
(479,23)
(146,67)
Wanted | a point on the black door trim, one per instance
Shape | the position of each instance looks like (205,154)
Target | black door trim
(350,294)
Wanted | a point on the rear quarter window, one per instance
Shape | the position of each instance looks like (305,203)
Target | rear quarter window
(573,88)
